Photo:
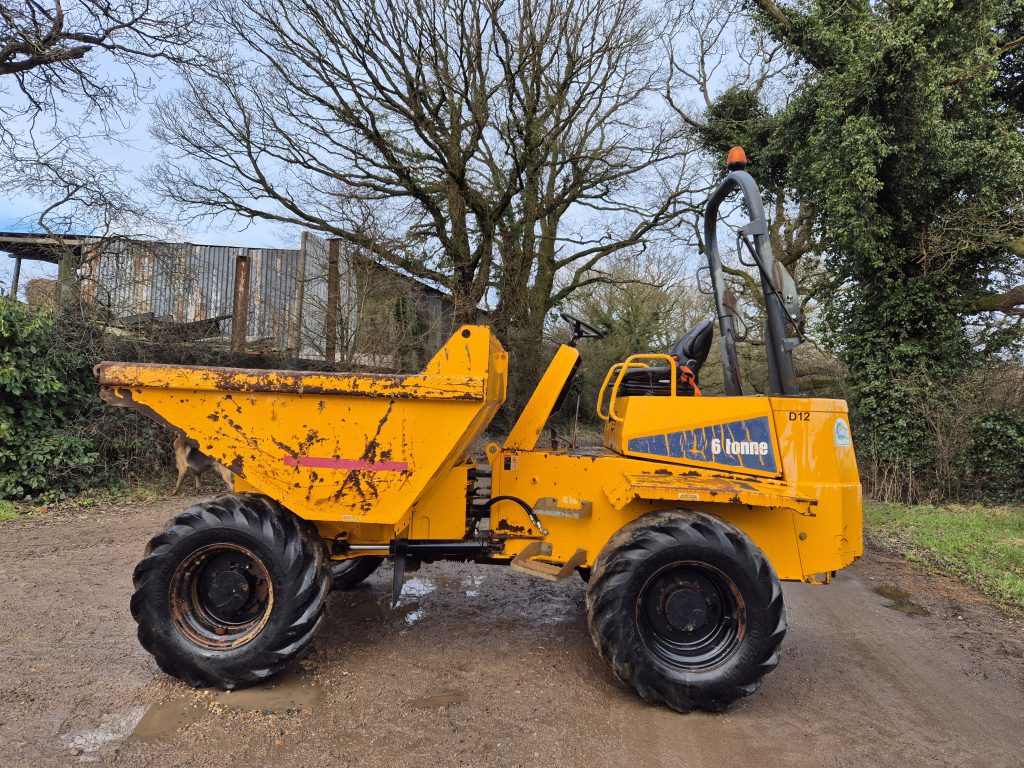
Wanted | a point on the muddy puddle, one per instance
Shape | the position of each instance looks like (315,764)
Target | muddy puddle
(287,693)
(900,601)
(441,594)
(164,719)
(375,606)
(423,595)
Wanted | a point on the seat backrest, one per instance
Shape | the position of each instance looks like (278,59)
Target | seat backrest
(654,381)
(692,350)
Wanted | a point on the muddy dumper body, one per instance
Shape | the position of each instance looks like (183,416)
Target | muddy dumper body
(683,523)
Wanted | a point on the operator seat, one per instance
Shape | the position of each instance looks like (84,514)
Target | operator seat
(691,351)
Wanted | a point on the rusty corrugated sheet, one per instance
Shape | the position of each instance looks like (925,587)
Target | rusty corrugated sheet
(185,283)
(273,304)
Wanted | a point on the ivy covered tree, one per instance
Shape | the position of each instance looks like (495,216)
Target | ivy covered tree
(901,139)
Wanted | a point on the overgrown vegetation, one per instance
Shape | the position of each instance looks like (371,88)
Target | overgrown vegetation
(56,436)
(981,545)
(892,203)
(42,394)
(996,458)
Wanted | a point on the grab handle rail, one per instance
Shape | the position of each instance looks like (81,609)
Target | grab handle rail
(633,361)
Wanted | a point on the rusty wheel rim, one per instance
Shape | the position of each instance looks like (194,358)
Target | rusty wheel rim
(690,615)
(221,596)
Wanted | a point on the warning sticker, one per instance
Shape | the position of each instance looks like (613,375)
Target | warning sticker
(842,433)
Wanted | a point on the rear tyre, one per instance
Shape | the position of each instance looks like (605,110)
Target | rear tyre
(349,573)
(230,592)
(686,610)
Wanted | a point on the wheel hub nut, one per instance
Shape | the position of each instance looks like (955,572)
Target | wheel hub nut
(685,610)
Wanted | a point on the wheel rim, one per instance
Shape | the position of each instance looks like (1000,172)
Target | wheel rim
(690,615)
(221,596)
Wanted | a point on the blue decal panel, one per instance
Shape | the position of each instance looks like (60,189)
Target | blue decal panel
(746,444)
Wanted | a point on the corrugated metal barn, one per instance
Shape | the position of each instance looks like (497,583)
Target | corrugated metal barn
(276,300)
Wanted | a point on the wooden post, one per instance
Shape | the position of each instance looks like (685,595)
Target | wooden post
(240,309)
(66,277)
(331,313)
(300,293)
(16,277)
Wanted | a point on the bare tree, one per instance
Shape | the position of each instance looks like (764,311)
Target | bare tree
(71,73)
(498,148)
(364,120)
(604,167)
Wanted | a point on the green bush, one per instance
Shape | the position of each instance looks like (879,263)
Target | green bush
(41,393)
(56,436)
(997,456)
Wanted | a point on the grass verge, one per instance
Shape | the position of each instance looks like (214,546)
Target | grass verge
(984,546)
(7,511)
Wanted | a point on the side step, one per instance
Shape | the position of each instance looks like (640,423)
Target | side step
(547,571)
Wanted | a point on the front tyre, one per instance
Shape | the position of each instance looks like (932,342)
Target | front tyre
(230,592)
(686,610)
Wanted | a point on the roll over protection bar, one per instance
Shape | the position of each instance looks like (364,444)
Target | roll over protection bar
(781,303)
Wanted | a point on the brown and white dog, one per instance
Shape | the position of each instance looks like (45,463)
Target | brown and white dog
(191,459)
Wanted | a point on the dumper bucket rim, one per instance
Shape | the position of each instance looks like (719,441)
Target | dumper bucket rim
(211,379)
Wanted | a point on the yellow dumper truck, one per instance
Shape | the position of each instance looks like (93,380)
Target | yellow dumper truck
(683,523)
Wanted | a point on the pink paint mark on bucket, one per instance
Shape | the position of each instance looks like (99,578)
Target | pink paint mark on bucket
(358,464)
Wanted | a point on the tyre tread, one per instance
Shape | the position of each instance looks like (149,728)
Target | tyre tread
(301,596)
(611,575)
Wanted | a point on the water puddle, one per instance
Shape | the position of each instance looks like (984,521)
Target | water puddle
(417,587)
(423,594)
(366,607)
(437,700)
(287,693)
(473,585)
(164,719)
(901,601)
(410,607)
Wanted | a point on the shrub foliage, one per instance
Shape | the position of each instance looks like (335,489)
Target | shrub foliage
(56,436)
(996,459)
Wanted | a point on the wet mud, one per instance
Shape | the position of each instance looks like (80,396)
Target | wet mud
(899,600)
(480,666)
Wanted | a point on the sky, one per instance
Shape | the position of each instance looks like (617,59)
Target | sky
(135,151)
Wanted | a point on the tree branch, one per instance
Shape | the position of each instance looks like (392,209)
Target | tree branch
(1009,302)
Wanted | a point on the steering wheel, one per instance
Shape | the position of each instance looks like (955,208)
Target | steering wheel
(580,329)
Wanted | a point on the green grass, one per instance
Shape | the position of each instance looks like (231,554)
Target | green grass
(8,511)
(983,546)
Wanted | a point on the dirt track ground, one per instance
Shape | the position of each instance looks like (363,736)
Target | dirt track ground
(479,666)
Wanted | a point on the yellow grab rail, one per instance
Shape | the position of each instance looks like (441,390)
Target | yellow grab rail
(604,385)
(633,361)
